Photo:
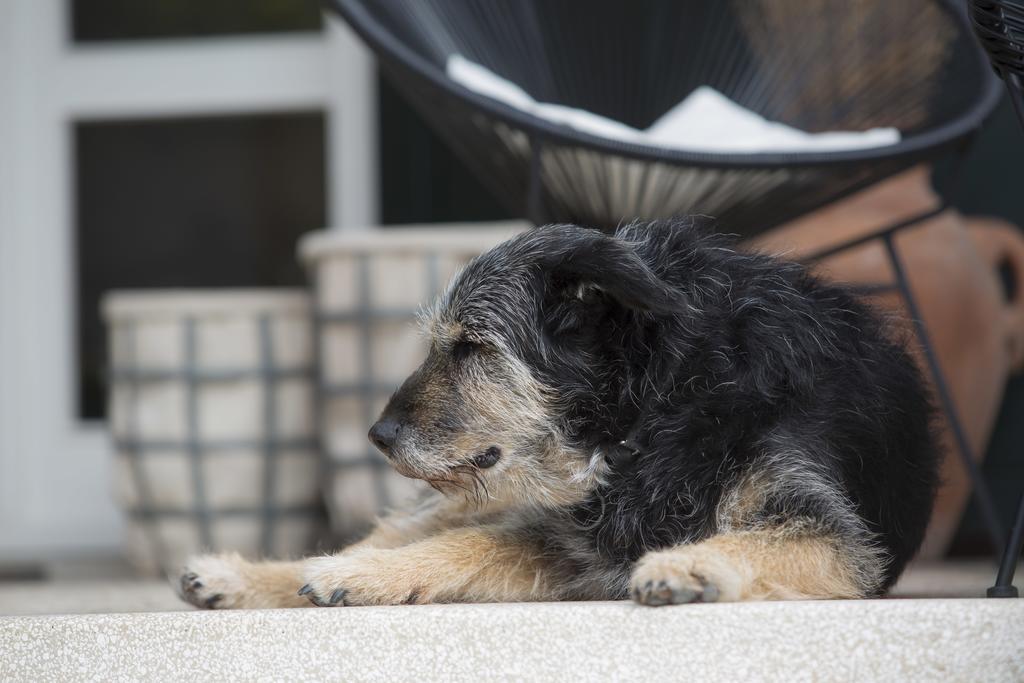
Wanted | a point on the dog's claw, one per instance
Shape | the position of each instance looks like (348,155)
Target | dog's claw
(338,596)
(211,601)
(190,582)
(672,592)
(307,590)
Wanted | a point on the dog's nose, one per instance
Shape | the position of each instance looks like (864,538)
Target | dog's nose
(384,433)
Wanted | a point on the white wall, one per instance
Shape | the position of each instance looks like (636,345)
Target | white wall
(54,469)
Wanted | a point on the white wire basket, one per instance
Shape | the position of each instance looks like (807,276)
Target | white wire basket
(211,414)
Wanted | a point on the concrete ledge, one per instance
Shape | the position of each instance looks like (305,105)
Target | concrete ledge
(88,597)
(903,640)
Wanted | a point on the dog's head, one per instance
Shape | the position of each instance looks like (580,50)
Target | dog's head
(525,346)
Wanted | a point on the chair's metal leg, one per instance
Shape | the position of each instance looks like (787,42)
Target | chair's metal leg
(985,502)
(1004,587)
(1012,550)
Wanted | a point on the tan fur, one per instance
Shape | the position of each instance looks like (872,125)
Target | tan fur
(426,555)
(440,331)
(742,503)
(777,563)
(741,508)
(450,549)
(414,559)
(433,515)
(230,582)
(478,564)
(242,584)
(511,411)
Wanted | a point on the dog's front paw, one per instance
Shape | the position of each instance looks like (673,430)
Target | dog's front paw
(361,577)
(683,575)
(214,581)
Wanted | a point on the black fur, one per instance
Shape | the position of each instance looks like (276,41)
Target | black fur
(711,363)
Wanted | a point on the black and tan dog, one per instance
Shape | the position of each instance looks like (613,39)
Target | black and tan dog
(652,414)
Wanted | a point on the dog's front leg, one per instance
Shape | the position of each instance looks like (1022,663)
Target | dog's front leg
(229,581)
(471,564)
(776,563)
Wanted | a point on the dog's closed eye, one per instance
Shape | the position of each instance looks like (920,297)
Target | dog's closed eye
(463,348)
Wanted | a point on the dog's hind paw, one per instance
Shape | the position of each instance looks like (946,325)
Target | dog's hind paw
(682,575)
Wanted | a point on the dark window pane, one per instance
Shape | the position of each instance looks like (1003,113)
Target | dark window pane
(96,20)
(205,202)
(421,181)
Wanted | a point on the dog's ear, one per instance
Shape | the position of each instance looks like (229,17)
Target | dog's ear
(594,262)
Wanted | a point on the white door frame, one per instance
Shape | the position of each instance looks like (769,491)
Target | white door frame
(55,468)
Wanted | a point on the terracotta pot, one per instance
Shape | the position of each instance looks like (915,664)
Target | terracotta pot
(953,266)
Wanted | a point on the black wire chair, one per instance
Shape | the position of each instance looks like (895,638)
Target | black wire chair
(999,25)
(816,65)
(819,65)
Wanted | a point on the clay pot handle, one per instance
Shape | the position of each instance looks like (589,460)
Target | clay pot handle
(1002,245)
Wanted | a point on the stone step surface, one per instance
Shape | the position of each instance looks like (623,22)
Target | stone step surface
(890,640)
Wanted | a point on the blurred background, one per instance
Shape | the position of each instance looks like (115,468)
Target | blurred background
(190,143)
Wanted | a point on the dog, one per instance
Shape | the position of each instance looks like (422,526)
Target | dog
(653,414)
